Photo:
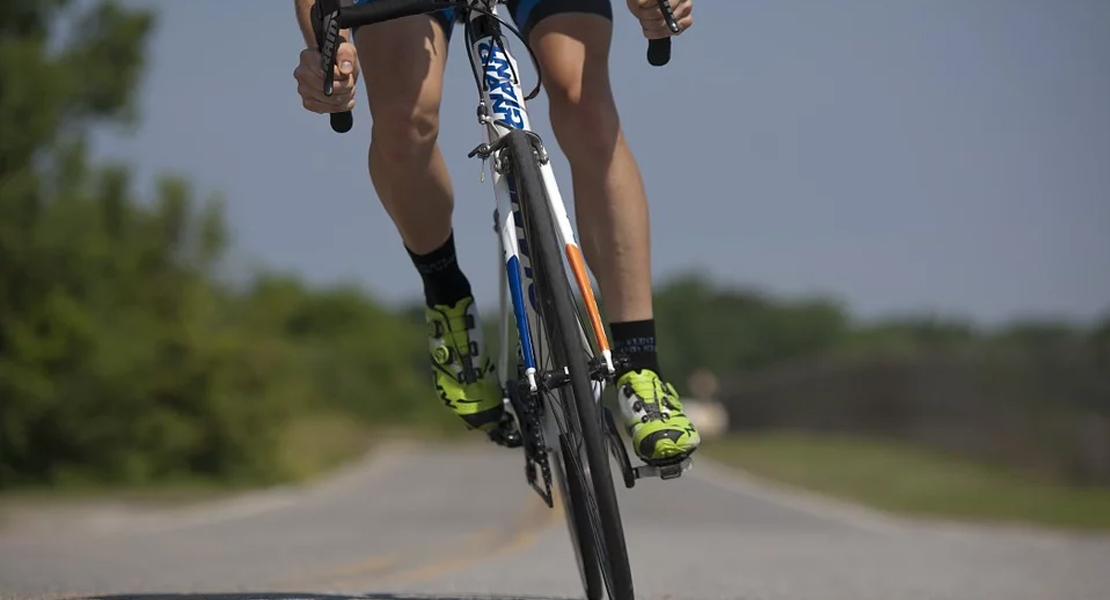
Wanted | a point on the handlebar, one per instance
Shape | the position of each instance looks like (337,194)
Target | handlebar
(328,17)
(659,50)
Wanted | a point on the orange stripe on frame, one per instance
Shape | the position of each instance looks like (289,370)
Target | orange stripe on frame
(574,257)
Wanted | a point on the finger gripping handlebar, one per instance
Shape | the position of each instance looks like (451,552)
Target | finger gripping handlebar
(328,18)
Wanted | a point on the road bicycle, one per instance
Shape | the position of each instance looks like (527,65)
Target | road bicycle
(553,386)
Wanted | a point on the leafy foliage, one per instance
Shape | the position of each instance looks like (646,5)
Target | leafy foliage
(125,359)
(122,359)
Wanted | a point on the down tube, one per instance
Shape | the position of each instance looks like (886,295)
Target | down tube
(505,315)
(518,278)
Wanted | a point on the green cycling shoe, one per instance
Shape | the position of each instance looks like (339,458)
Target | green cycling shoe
(661,432)
(464,375)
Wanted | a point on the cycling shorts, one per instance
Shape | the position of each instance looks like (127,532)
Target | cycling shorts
(526,13)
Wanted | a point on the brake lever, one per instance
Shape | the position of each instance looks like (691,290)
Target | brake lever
(668,15)
(325,25)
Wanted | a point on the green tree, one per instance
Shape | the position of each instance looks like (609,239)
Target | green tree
(725,330)
(122,358)
(1100,344)
(51,92)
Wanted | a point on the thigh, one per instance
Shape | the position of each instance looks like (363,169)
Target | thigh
(528,13)
(402,63)
(572,48)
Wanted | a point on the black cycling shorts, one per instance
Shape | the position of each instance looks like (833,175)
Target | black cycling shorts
(526,13)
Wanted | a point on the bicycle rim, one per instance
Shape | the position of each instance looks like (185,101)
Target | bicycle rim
(587,458)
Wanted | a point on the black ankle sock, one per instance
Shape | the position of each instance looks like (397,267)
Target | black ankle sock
(444,282)
(635,340)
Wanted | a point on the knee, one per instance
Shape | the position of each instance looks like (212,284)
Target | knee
(404,133)
(585,122)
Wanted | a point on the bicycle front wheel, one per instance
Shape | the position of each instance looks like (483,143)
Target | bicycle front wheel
(578,522)
(586,455)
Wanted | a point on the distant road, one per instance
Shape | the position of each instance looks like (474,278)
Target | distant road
(459,522)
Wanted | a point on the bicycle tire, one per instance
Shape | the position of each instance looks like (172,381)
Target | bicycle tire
(559,315)
(589,567)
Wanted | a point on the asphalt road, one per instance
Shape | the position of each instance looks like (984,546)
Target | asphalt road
(459,522)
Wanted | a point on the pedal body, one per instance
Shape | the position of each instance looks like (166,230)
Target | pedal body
(631,474)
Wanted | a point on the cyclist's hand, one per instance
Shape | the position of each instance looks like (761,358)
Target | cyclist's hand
(651,18)
(310,80)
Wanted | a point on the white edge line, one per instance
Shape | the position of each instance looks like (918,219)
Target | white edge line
(248,504)
(739,481)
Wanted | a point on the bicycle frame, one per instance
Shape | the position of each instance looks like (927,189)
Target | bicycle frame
(501,108)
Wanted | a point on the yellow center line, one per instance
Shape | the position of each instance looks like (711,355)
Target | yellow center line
(382,562)
(481,546)
(368,565)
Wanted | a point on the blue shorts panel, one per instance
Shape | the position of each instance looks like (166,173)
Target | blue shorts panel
(526,13)
(445,17)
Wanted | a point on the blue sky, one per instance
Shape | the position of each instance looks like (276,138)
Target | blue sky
(915,156)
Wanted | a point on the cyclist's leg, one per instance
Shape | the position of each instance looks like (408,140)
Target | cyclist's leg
(571,39)
(402,65)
